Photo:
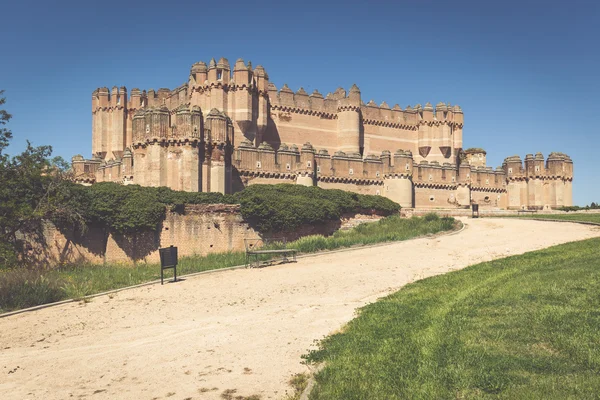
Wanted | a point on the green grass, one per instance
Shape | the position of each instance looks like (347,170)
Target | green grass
(21,288)
(566,217)
(523,327)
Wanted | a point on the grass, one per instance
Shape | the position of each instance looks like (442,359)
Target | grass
(585,217)
(523,327)
(20,288)
(298,382)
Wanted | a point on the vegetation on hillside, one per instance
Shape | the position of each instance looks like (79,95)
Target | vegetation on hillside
(36,188)
(31,185)
(592,206)
(21,288)
(274,208)
(584,217)
(522,327)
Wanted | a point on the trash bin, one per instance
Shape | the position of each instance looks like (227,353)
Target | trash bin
(475,208)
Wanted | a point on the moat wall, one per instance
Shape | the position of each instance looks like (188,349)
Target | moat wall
(199,230)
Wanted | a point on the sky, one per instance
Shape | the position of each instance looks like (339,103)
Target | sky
(526,73)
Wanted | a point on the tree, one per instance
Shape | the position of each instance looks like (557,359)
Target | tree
(5,133)
(32,189)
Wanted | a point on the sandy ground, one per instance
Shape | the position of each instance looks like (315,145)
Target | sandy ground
(243,330)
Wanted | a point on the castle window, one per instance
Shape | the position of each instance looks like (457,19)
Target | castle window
(288,166)
(510,170)
(537,169)
(318,168)
(453,179)
(431,198)
(486,198)
(219,74)
(308,164)
(430,177)
(258,164)
(378,193)
(487,181)
(351,172)
(86,169)
(407,167)
(377,174)
(147,128)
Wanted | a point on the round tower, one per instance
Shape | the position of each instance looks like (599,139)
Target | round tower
(398,185)
(349,132)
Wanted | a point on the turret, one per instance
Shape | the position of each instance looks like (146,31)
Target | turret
(307,165)
(219,148)
(241,74)
(441,111)
(199,72)
(261,78)
(475,157)
(513,167)
(212,71)
(223,70)
(350,139)
(136,98)
(428,112)
(398,184)
(103,96)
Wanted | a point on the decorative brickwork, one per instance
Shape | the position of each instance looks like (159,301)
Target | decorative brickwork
(225,129)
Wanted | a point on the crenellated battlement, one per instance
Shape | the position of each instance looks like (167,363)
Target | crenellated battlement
(556,166)
(227,126)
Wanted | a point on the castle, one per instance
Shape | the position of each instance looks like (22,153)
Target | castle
(224,130)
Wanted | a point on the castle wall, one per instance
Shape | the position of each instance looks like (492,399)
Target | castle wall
(289,127)
(202,229)
(372,189)
(380,138)
(434,197)
(347,144)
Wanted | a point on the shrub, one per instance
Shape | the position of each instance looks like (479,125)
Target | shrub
(268,208)
(275,208)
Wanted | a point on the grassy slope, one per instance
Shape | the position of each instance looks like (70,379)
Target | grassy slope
(517,328)
(566,217)
(21,288)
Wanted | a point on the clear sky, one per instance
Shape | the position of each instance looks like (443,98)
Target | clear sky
(526,73)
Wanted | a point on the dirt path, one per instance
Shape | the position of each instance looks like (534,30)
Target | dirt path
(242,330)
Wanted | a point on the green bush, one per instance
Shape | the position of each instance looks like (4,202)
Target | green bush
(269,208)
(275,208)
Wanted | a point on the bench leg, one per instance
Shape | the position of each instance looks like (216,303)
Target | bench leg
(175,274)
(162,276)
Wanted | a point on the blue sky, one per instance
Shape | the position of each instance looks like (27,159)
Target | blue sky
(525,73)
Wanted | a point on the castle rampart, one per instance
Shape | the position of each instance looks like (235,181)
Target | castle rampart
(226,128)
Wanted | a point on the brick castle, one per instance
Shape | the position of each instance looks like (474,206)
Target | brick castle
(228,128)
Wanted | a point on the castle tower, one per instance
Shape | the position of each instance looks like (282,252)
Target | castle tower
(398,184)
(349,133)
(446,145)
(475,157)
(216,169)
(307,166)
(260,101)
(463,187)
(516,182)
(534,169)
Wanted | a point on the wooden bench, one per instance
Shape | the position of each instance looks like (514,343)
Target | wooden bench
(526,212)
(255,247)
